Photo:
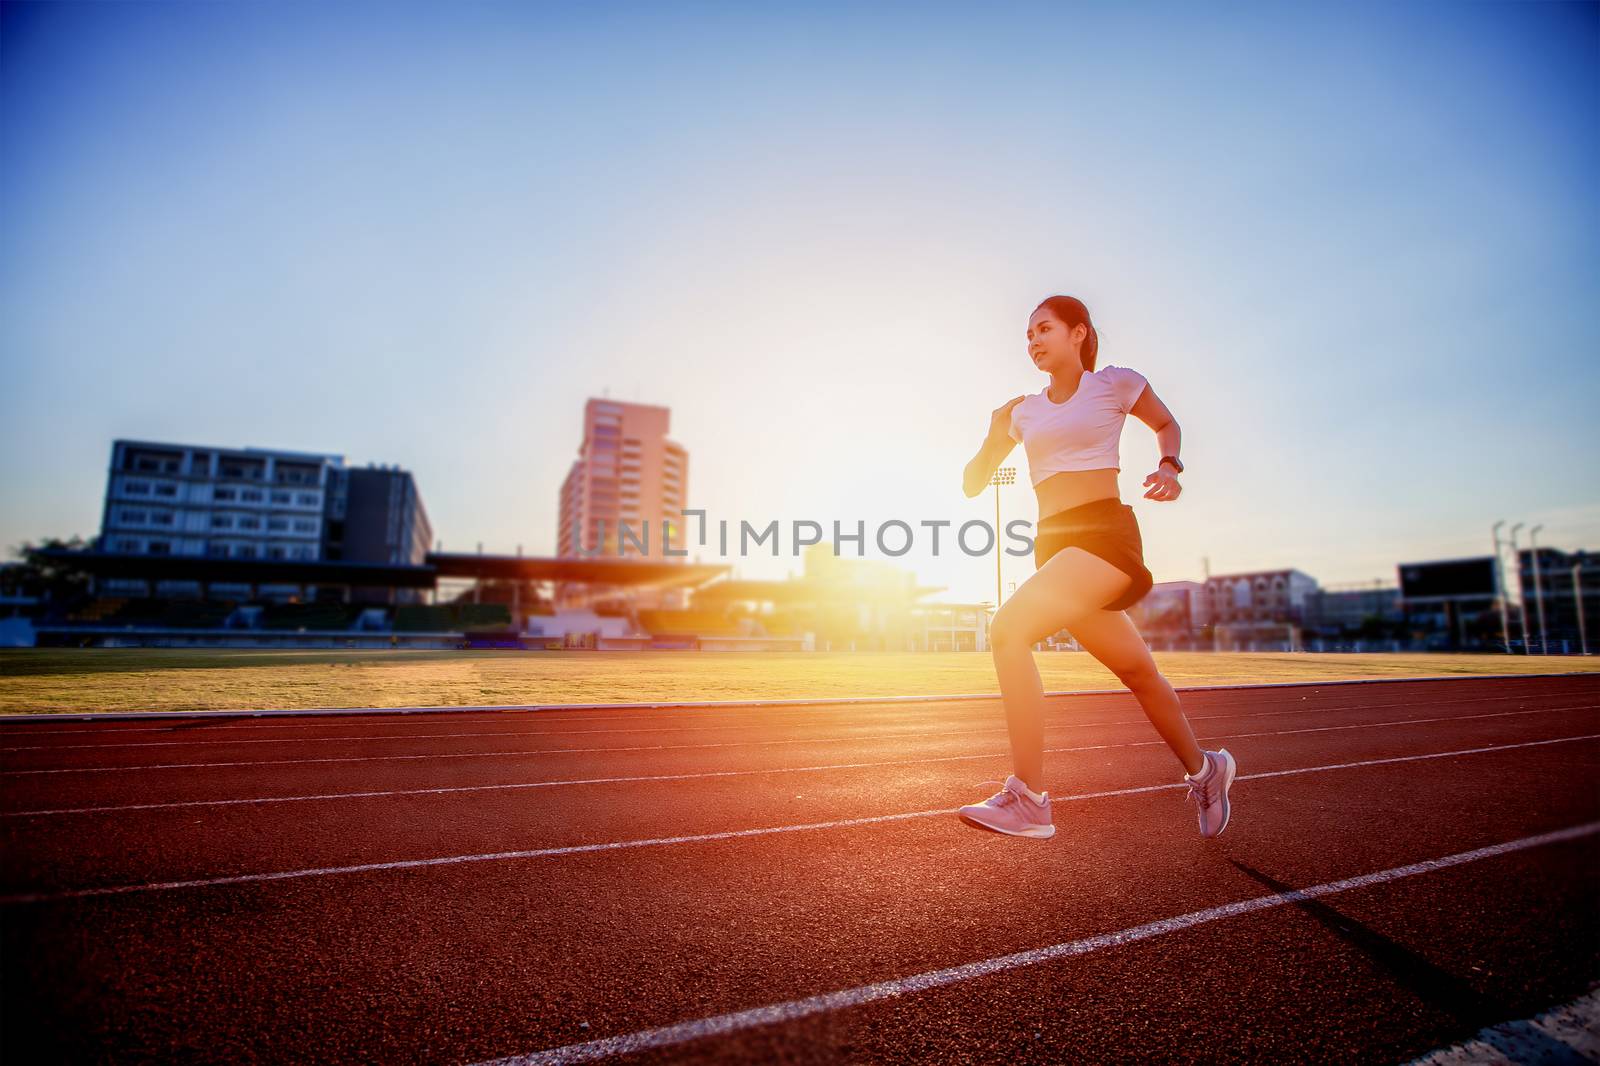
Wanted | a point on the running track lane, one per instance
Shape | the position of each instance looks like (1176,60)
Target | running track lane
(204,769)
(472,961)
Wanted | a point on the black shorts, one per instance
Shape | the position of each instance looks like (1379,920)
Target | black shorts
(1105,528)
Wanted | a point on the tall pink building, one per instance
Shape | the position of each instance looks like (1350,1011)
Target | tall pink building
(627,472)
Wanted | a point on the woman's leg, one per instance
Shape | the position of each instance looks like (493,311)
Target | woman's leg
(1070,585)
(1110,636)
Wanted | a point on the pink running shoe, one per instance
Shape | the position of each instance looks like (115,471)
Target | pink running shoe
(1011,811)
(1210,791)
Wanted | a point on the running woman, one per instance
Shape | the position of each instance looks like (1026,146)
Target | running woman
(1088,559)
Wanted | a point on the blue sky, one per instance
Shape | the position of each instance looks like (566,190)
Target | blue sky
(1354,248)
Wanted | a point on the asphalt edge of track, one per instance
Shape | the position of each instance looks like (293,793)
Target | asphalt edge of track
(8,718)
(1572,1027)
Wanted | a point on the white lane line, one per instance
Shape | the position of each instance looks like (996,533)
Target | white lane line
(482,754)
(392,736)
(844,999)
(741,773)
(720,709)
(697,838)
(637,747)
(362,738)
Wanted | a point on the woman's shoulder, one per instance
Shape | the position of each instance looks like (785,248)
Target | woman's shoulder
(1121,379)
(1124,383)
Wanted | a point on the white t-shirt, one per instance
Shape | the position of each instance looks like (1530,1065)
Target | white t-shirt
(1083,433)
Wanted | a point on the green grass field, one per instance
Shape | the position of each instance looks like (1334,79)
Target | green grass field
(110,679)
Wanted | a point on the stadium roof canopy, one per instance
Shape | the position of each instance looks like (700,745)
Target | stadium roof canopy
(598,570)
(241,571)
(792,592)
(594,570)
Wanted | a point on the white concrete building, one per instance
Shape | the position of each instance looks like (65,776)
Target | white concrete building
(183,499)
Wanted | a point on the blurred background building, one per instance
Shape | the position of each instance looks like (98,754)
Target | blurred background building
(185,500)
(627,471)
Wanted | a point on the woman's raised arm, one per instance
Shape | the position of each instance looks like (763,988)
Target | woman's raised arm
(992,452)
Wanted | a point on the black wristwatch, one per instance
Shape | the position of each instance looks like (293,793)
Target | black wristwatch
(1173,459)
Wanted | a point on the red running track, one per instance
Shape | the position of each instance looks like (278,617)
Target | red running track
(1407,863)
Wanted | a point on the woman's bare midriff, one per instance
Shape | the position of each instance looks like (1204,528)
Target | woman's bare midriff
(1070,488)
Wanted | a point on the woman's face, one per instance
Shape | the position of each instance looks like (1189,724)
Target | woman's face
(1051,344)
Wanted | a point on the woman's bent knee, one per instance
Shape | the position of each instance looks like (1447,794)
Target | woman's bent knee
(1004,632)
(1142,676)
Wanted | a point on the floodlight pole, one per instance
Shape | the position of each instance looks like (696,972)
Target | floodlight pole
(1538,587)
(1577,594)
(1006,475)
(1522,606)
(1500,584)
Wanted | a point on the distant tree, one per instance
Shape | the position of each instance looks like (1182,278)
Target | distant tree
(48,578)
(1376,627)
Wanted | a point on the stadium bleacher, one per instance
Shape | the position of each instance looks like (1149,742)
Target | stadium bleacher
(706,623)
(451,618)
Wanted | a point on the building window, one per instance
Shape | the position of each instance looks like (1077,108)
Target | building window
(221,521)
(160,547)
(251,495)
(136,488)
(166,490)
(277,523)
(224,494)
(245,551)
(250,523)
(128,544)
(280,497)
(130,515)
(303,525)
(161,518)
(307,498)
